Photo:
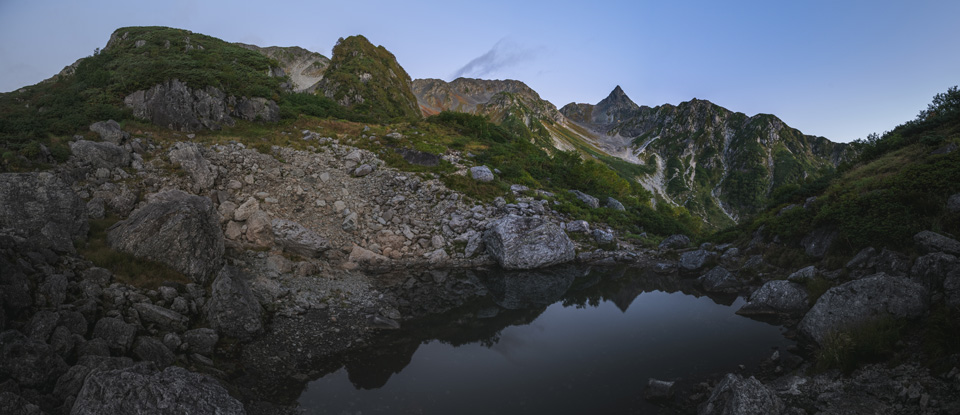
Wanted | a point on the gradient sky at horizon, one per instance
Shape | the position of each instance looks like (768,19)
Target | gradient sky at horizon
(839,69)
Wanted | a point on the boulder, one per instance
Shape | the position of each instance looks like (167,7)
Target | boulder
(614,204)
(257,109)
(43,209)
(297,239)
(151,349)
(803,274)
(110,131)
(233,310)
(719,279)
(99,155)
(164,318)
(588,200)
(931,269)
(246,209)
(861,301)
(863,259)
(142,389)
(32,363)
(481,174)
(525,243)
(176,229)
(675,242)
(953,203)
(13,404)
(735,395)
(363,170)
(892,263)
(818,242)
(201,340)
(602,237)
(419,158)
(190,158)
(694,260)
(578,226)
(777,297)
(117,334)
(260,230)
(929,242)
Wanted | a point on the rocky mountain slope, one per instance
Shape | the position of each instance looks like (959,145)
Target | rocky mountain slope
(304,68)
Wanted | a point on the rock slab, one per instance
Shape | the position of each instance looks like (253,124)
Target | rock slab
(518,242)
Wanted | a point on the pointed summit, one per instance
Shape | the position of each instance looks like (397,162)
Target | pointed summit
(616,107)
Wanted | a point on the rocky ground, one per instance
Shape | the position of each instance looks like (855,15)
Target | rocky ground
(296,256)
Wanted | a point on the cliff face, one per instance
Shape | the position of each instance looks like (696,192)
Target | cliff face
(304,68)
(479,96)
(368,78)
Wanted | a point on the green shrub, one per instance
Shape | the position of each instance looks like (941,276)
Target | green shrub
(869,342)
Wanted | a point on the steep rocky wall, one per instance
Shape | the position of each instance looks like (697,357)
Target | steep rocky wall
(176,106)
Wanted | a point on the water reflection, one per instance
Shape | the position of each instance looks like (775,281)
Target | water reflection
(565,340)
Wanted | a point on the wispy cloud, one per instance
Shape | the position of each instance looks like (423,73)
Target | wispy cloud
(504,54)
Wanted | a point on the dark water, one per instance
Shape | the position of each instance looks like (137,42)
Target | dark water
(571,342)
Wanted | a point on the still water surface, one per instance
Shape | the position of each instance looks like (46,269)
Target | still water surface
(578,348)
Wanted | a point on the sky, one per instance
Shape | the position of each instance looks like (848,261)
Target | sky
(838,69)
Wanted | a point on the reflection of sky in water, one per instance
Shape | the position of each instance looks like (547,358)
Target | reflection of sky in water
(569,360)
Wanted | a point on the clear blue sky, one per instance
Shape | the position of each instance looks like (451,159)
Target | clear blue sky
(840,69)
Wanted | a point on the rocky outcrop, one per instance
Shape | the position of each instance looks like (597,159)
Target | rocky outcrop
(233,310)
(188,156)
(43,209)
(174,105)
(735,395)
(142,389)
(697,259)
(297,239)
(929,242)
(675,242)
(30,362)
(99,155)
(777,297)
(177,229)
(518,242)
(719,279)
(862,301)
(109,131)
(588,200)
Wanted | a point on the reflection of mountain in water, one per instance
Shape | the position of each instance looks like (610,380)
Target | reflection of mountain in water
(508,299)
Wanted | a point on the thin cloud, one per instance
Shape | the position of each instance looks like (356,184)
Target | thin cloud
(504,54)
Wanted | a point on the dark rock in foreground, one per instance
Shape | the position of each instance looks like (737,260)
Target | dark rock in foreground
(142,389)
(525,243)
(177,229)
(233,310)
(43,208)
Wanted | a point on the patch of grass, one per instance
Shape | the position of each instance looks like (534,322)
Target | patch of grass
(816,287)
(126,268)
(871,342)
(477,190)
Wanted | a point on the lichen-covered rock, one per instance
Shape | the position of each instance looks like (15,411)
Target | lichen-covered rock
(297,239)
(735,395)
(233,310)
(930,242)
(525,243)
(481,174)
(96,155)
(675,242)
(719,279)
(777,297)
(861,301)
(110,131)
(189,157)
(588,200)
(142,389)
(578,226)
(43,209)
(177,229)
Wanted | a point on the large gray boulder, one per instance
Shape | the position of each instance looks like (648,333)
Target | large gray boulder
(694,260)
(675,242)
(106,155)
(481,174)
(931,269)
(615,204)
(174,105)
(735,395)
(142,389)
(233,309)
(777,297)
(110,131)
(518,242)
(177,229)
(43,209)
(586,199)
(930,242)
(862,301)
(297,239)
(190,158)
(719,279)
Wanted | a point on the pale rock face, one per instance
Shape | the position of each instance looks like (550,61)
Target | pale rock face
(246,209)
(525,243)
(260,230)
(481,174)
